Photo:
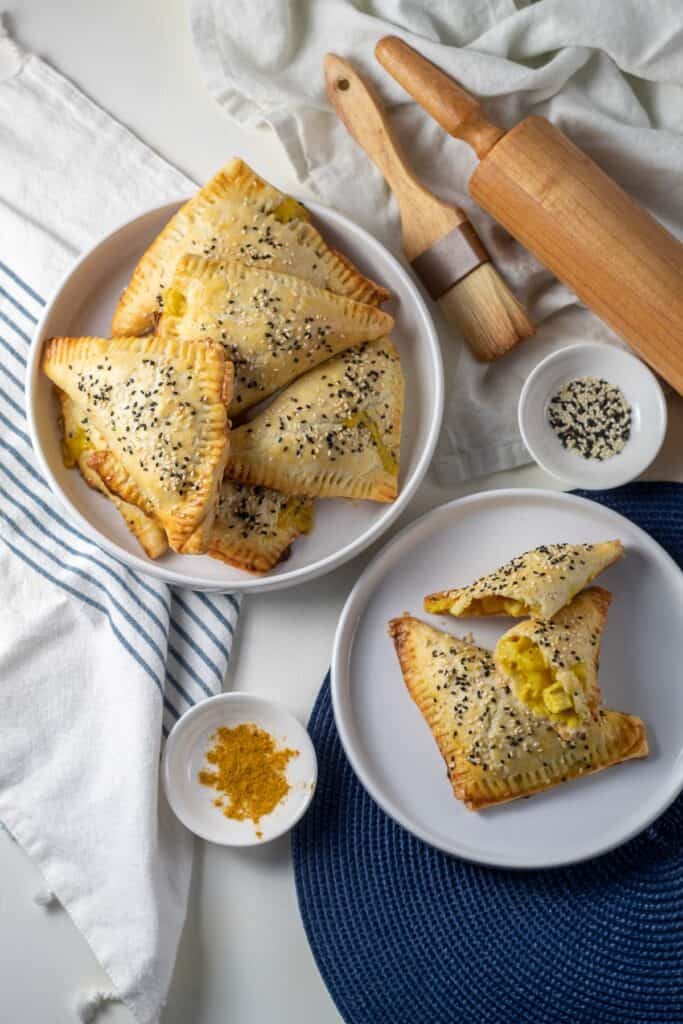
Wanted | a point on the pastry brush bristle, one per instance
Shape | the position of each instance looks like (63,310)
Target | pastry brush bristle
(485,310)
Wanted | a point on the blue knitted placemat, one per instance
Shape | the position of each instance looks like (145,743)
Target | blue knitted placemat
(404,934)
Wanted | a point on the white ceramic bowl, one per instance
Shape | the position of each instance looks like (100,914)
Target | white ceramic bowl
(84,303)
(184,757)
(638,385)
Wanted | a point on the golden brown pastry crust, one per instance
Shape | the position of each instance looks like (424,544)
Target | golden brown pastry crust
(570,639)
(80,442)
(274,326)
(147,531)
(496,750)
(117,480)
(335,432)
(235,216)
(255,527)
(161,406)
(542,580)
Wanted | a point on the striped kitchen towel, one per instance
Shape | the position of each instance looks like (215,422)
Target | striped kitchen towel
(96,661)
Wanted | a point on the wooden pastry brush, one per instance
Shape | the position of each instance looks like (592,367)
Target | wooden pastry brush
(441,244)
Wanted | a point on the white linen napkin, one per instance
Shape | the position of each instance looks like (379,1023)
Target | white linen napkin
(95,660)
(610,73)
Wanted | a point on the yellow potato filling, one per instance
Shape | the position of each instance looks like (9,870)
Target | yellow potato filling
(74,444)
(387,459)
(291,209)
(495,605)
(296,514)
(175,302)
(480,606)
(537,685)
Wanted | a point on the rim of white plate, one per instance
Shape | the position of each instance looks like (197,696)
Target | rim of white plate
(304,573)
(343,642)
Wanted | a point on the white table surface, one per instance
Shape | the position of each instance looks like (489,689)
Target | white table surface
(243,955)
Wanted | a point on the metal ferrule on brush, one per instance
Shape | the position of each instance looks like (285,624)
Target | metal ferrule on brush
(449,260)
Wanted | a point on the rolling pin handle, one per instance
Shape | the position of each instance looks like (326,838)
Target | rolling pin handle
(456,110)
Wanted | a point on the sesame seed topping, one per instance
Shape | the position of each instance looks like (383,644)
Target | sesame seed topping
(591,417)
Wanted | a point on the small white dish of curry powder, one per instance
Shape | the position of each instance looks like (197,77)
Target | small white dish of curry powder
(239,770)
(594,416)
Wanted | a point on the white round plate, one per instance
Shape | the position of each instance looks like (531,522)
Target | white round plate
(184,757)
(83,304)
(389,744)
(641,390)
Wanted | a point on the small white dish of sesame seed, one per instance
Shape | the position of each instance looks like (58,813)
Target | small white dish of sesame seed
(592,415)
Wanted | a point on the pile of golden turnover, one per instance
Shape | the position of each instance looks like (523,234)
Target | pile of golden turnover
(249,372)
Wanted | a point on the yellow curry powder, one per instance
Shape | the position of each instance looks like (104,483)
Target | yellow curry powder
(249,771)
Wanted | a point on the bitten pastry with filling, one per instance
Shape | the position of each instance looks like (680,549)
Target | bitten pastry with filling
(496,748)
(255,527)
(273,326)
(160,405)
(537,583)
(552,664)
(238,216)
(335,432)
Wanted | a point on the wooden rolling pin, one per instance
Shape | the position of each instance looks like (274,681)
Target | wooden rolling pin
(578,222)
(438,239)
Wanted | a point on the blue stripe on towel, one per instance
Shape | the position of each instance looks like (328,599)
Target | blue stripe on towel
(15,327)
(10,401)
(222,646)
(17,305)
(12,351)
(80,596)
(15,430)
(22,284)
(161,594)
(191,673)
(15,380)
(151,621)
(190,701)
(213,607)
(191,643)
(87,578)
(109,568)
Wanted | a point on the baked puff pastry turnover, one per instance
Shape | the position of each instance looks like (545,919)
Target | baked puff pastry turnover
(537,583)
(552,664)
(160,405)
(335,432)
(495,748)
(274,326)
(238,216)
(255,526)
(80,442)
